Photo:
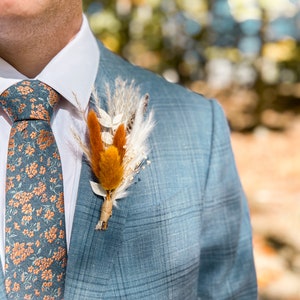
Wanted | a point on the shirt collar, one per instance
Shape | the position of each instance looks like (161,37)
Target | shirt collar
(72,72)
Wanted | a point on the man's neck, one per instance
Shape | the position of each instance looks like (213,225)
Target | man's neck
(30,61)
(31,54)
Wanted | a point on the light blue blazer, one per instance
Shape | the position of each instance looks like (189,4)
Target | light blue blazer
(184,231)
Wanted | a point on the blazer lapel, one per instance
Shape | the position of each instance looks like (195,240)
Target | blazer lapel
(92,252)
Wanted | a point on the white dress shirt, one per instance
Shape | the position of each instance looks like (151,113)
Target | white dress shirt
(72,73)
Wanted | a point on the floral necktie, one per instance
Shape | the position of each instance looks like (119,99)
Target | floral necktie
(35,245)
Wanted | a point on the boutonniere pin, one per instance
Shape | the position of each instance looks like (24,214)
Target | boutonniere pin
(117,145)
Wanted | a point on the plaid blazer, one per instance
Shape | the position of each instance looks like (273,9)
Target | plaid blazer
(184,230)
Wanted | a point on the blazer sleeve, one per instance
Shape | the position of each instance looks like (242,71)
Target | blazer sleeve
(226,262)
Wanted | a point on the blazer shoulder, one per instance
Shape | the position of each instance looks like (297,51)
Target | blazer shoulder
(167,99)
(112,66)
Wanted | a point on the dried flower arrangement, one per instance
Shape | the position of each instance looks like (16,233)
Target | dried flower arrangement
(117,143)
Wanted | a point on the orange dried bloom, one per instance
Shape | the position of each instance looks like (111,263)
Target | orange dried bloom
(111,169)
(120,140)
(95,141)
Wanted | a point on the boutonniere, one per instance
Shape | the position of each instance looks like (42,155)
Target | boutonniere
(117,145)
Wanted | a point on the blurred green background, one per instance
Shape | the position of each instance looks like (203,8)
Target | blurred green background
(246,54)
(223,48)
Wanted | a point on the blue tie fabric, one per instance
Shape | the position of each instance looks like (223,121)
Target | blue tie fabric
(35,243)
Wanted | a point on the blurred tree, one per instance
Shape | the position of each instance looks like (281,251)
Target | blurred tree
(208,45)
(164,36)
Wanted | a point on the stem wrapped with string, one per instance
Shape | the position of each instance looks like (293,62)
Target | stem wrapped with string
(117,144)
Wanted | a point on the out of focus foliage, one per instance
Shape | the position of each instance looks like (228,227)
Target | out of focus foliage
(213,46)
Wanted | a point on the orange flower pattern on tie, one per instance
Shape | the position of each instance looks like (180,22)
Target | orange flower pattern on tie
(35,243)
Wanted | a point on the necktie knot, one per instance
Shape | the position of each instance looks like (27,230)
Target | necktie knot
(29,100)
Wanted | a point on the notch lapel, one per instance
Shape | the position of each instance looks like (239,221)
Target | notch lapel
(92,252)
